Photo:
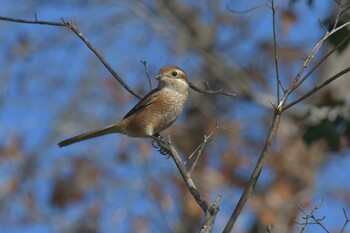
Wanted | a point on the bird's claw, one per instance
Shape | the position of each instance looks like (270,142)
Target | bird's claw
(157,145)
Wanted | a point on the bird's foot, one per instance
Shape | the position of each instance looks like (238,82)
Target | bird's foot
(157,142)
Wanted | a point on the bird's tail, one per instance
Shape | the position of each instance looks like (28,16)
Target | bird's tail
(115,128)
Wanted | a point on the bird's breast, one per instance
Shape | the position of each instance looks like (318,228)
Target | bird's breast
(157,116)
(168,109)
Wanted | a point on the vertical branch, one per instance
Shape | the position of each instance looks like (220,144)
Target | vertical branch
(278,81)
(144,63)
(338,14)
(210,215)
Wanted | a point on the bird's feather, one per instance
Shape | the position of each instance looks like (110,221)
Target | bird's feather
(146,101)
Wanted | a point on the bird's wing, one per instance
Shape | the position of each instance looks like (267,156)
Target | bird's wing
(147,100)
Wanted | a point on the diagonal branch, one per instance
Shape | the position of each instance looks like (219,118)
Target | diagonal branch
(319,63)
(317,88)
(256,173)
(73,28)
(170,150)
(102,59)
(338,14)
(198,152)
(311,55)
(212,92)
(209,210)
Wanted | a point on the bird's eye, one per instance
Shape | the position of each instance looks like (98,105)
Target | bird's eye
(174,73)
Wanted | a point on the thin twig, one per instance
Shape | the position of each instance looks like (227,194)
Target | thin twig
(311,55)
(36,21)
(347,220)
(144,62)
(317,88)
(278,81)
(324,58)
(199,153)
(212,92)
(102,59)
(194,152)
(317,221)
(344,10)
(73,28)
(245,11)
(338,14)
(201,146)
(322,25)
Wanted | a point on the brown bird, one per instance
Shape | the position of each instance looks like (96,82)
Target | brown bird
(154,113)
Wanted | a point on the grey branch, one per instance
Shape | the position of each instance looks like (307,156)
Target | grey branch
(255,175)
(198,151)
(212,92)
(317,88)
(144,63)
(170,150)
(347,220)
(73,28)
(209,210)
(210,216)
(312,216)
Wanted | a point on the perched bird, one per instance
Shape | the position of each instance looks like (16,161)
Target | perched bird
(154,113)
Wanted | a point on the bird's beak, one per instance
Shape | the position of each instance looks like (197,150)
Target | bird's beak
(159,76)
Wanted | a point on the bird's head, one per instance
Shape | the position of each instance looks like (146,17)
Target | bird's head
(172,77)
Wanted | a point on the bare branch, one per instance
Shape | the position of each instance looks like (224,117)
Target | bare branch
(316,88)
(170,150)
(73,28)
(256,173)
(344,10)
(36,21)
(311,55)
(212,92)
(198,152)
(322,25)
(144,62)
(302,80)
(311,215)
(246,11)
(338,14)
(210,215)
(101,58)
(278,81)
(209,210)
(347,220)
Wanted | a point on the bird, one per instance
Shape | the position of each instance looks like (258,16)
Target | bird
(154,113)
